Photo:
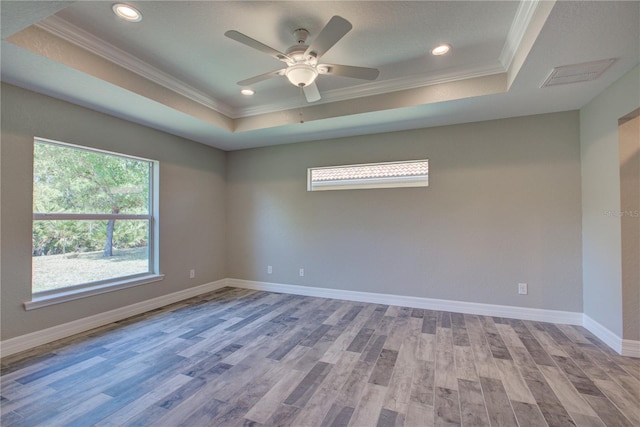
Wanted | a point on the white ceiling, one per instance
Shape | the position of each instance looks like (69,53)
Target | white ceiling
(176,71)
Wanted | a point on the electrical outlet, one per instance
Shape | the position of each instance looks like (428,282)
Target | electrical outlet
(301,272)
(522,289)
(192,274)
(269,269)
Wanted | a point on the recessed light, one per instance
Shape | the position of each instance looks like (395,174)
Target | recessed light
(440,49)
(127,12)
(247,92)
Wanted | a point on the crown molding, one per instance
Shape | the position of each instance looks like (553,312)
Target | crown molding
(73,34)
(382,87)
(518,28)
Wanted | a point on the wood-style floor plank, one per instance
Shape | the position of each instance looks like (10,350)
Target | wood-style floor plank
(368,409)
(472,405)
(497,401)
(568,395)
(321,401)
(622,399)
(238,357)
(513,382)
(338,416)
(528,415)
(446,407)
(271,401)
(445,372)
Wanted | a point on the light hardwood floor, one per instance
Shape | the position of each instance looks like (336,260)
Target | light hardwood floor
(245,358)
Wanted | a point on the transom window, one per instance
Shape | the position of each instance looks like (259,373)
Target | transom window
(93,218)
(411,173)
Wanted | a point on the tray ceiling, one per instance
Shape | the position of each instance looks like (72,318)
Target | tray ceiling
(176,71)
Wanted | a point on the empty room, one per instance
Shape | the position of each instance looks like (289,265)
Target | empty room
(310,213)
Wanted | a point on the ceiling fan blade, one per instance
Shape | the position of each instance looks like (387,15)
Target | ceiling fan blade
(335,29)
(248,41)
(349,71)
(261,77)
(311,92)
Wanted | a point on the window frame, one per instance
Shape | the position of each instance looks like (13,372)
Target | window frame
(82,290)
(367,183)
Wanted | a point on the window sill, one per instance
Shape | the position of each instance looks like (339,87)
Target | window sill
(64,296)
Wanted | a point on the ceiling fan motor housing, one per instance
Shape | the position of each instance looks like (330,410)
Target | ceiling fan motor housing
(303,71)
(296,52)
(301,35)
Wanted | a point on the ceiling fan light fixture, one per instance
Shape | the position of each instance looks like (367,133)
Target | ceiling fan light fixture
(441,49)
(301,75)
(127,12)
(248,92)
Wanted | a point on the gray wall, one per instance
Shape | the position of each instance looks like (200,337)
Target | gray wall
(602,247)
(192,207)
(503,207)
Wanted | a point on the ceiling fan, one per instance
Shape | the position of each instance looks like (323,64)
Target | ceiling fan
(302,60)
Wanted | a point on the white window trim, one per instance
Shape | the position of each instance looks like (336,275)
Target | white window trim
(58,296)
(364,183)
(84,290)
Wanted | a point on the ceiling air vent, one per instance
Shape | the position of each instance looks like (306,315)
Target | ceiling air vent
(577,73)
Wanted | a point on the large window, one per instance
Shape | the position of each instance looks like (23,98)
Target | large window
(93,219)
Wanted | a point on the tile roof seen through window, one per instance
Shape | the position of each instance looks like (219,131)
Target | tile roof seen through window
(372,171)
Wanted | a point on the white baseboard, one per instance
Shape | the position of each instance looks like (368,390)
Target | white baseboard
(34,339)
(523,313)
(24,342)
(621,346)
(603,333)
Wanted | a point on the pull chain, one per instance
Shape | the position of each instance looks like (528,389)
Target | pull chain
(302,101)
